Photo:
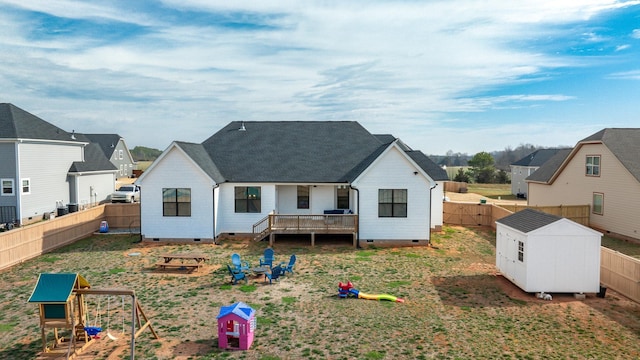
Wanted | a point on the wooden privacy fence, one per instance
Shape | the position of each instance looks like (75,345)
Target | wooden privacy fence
(620,273)
(469,214)
(27,242)
(455,186)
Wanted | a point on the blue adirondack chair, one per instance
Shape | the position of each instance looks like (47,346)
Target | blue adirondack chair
(267,258)
(288,267)
(237,275)
(239,264)
(274,275)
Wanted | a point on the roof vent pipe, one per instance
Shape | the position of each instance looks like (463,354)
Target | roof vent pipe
(242,128)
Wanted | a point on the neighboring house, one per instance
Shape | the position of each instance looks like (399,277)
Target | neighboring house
(602,170)
(541,252)
(115,149)
(277,177)
(45,167)
(526,166)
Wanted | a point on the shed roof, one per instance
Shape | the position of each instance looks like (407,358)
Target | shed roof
(240,309)
(528,220)
(56,287)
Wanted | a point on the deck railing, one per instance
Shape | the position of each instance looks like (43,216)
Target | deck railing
(328,223)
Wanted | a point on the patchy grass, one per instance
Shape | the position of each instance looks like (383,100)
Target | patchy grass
(455,304)
(492,191)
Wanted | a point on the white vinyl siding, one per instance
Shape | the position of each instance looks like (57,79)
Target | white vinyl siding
(177,171)
(394,171)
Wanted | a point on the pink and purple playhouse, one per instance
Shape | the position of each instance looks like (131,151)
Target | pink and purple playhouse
(236,326)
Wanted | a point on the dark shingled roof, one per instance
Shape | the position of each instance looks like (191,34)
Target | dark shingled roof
(198,154)
(435,172)
(537,158)
(107,142)
(528,220)
(624,143)
(546,171)
(94,160)
(294,151)
(16,123)
(290,151)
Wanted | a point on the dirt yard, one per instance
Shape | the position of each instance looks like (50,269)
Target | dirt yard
(456,305)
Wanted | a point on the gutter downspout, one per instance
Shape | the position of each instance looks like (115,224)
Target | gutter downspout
(358,213)
(213,211)
(430,212)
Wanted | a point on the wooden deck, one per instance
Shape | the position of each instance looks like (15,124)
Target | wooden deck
(306,224)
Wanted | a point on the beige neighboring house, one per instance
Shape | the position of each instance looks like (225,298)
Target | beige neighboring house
(603,171)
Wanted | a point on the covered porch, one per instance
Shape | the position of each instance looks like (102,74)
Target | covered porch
(274,224)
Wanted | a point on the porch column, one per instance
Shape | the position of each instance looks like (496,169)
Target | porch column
(313,239)
(355,240)
(271,238)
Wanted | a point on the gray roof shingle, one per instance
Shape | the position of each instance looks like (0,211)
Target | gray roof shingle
(290,151)
(528,220)
(537,158)
(545,172)
(16,123)
(295,152)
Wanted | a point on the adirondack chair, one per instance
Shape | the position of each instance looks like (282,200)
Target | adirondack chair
(274,275)
(239,264)
(288,267)
(267,258)
(237,275)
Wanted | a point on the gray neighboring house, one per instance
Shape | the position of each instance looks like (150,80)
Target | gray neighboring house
(305,177)
(526,166)
(115,149)
(45,168)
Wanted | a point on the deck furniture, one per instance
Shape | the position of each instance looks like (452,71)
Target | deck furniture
(190,262)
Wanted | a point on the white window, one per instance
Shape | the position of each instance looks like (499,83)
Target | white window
(120,154)
(121,171)
(593,165)
(26,186)
(7,187)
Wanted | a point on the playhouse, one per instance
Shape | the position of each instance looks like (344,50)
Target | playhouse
(544,253)
(236,326)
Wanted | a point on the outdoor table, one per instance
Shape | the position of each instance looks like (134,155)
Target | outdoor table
(183,261)
(260,270)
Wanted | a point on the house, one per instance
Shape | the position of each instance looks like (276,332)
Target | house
(303,177)
(602,170)
(115,149)
(526,166)
(544,253)
(45,168)
(236,326)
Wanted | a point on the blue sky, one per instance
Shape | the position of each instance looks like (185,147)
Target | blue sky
(466,76)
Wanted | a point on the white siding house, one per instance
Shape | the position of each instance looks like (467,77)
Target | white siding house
(47,168)
(540,252)
(305,177)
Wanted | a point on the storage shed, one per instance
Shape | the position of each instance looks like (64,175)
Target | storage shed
(541,252)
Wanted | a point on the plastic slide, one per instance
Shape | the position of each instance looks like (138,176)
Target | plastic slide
(361,295)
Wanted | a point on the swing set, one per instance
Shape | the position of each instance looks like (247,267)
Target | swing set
(62,304)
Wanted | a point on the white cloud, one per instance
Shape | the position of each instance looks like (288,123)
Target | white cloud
(374,62)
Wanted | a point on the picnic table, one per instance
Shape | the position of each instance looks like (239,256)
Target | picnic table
(191,262)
